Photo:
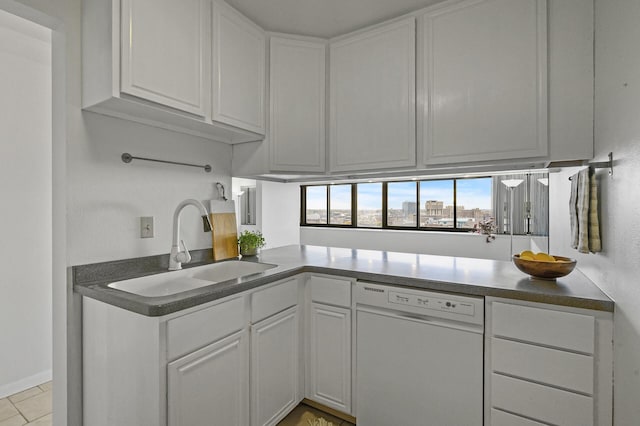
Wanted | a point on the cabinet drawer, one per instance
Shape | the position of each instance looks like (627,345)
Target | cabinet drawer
(195,330)
(550,366)
(541,402)
(274,299)
(544,326)
(500,418)
(330,291)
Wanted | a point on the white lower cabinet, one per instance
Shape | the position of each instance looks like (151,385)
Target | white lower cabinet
(274,367)
(329,342)
(547,364)
(330,356)
(210,385)
(249,360)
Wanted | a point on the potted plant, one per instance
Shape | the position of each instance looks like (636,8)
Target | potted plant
(486,227)
(250,242)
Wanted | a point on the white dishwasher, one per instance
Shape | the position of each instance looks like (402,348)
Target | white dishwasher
(419,358)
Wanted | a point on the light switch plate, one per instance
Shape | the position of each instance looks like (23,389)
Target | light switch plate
(146,227)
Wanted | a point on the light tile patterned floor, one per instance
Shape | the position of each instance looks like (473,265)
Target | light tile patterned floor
(30,407)
(302,414)
(33,407)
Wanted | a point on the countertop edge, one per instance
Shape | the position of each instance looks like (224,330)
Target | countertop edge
(155,307)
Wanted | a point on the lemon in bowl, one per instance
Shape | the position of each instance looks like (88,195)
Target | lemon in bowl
(543,265)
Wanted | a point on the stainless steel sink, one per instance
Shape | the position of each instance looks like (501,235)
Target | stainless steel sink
(173,282)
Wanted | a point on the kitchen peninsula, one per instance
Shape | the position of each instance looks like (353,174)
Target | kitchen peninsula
(259,343)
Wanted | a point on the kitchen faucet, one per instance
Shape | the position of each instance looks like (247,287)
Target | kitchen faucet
(177,256)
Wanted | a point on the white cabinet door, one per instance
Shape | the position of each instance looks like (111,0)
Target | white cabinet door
(329,363)
(163,46)
(372,98)
(210,386)
(274,367)
(485,81)
(297,99)
(238,69)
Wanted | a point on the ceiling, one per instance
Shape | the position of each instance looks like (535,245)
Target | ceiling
(323,18)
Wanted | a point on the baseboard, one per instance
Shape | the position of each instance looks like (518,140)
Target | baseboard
(24,384)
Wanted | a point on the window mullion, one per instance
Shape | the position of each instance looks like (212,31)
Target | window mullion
(328,204)
(417,205)
(303,205)
(455,203)
(385,223)
(354,205)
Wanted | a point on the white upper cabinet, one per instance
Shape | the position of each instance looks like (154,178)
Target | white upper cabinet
(297,104)
(150,61)
(372,98)
(239,48)
(484,81)
(163,52)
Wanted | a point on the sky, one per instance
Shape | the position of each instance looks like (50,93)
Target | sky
(472,193)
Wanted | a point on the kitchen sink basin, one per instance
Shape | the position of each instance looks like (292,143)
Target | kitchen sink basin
(229,270)
(174,282)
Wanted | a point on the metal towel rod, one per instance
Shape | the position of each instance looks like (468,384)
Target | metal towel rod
(127,158)
(602,165)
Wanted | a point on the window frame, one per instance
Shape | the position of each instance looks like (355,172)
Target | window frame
(385,206)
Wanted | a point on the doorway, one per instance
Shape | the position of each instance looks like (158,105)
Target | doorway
(26,216)
(53,243)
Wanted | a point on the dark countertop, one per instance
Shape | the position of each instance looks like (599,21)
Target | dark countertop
(462,275)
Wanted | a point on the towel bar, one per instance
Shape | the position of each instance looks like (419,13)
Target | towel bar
(602,165)
(127,158)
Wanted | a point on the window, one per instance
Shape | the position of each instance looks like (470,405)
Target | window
(369,201)
(474,203)
(402,204)
(436,203)
(316,204)
(454,204)
(340,204)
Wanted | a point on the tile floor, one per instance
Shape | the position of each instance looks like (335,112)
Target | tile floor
(302,414)
(30,407)
(33,407)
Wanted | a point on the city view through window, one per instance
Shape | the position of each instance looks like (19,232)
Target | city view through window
(443,204)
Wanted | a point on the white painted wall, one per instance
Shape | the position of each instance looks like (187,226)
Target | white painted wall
(107,197)
(277,211)
(440,243)
(279,216)
(617,128)
(25,216)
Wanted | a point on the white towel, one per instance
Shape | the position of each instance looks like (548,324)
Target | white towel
(595,245)
(573,213)
(583,209)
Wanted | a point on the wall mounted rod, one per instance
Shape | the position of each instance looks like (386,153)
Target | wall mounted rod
(127,158)
(602,165)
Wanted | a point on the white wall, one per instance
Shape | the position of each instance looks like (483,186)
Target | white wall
(25,216)
(279,216)
(617,128)
(277,211)
(107,196)
(440,243)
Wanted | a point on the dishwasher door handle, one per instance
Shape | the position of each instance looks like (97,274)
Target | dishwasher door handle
(437,322)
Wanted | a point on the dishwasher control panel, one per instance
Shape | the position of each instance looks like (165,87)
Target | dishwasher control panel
(430,302)
(427,303)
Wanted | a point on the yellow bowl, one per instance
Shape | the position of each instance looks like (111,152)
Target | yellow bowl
(543,269)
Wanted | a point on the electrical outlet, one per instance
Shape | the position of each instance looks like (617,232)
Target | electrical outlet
(146,227)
